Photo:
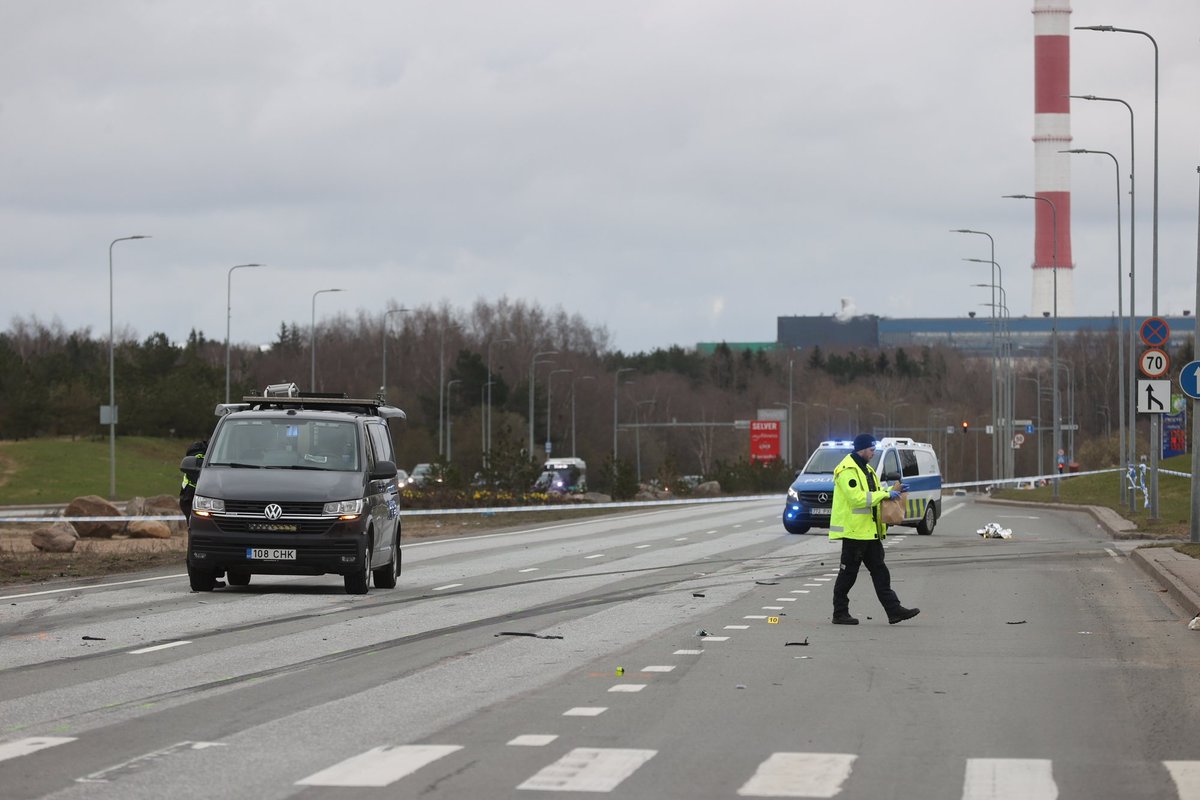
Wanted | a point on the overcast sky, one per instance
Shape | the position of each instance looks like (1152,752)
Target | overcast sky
(675,170)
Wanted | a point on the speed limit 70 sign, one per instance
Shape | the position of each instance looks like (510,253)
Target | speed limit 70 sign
(1154,363)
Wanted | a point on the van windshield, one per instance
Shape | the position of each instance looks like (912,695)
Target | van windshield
(825,459)
(286,443)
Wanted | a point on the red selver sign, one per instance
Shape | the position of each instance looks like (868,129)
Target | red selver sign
(764,440)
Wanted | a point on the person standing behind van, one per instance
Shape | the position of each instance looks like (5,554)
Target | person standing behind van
(855,520)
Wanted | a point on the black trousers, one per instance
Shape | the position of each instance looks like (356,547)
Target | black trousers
(869,552)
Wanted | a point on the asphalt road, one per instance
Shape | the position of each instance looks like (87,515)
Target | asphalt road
(1042,666)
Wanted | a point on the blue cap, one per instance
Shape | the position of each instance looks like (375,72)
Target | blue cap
(863,441)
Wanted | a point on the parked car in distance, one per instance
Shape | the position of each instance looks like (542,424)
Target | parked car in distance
(423,475)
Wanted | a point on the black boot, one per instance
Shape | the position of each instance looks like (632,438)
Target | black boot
(901,614)
(843,618)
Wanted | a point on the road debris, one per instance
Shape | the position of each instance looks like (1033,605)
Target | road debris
(697,594)
(798,644)
(531,635)
(94,639)
(1194,625)
(767,583)
(994,530)
(1018,622)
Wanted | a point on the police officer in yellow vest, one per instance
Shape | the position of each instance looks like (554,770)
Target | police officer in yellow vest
(855,520)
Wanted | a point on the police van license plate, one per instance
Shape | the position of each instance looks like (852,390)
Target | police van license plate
(820,512)
(270,554)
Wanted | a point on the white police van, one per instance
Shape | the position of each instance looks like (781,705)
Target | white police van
(810,497)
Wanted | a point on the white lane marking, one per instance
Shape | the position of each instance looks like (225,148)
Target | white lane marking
(1186,775)
(642,547)
(157,647)
(93,586)
(738,525)
(682,539)
(715,639)
(659,668)
(1001,778)
(800,591)
(585,711)
(785,599)
(528,569)
(447,586)
(687,652)
(799,775)
(627,687)
(829,574)
(712,531)
(755,616)
(532,739)
(597,555)
(141,761)
(379,766)
(821,580)
(737,627)
(814,585)
(588,769)
(772,608)
(23,747)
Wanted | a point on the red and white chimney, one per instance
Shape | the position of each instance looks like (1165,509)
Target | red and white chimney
(1052,169)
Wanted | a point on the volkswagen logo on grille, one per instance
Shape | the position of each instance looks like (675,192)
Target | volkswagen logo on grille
(273,511)
(823,497)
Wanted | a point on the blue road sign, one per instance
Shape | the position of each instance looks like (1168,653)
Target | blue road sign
(1029,429)
(1189,379)
(1155,332)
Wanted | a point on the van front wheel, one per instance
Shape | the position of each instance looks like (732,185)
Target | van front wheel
(360,582)
(925,526)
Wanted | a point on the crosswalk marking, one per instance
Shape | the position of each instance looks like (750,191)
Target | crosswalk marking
(585,711)
(379,766)
(736,627)
(687,652)
(1186,775)
(589,769)
(799,775)
(532,739)
(659,668)
(157,647)
(23,747)
(627,687)
(1002,778)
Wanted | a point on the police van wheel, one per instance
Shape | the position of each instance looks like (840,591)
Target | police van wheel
(925,526)
(796,528)
(360,582)
(385,577)
(238,577)
(202,580)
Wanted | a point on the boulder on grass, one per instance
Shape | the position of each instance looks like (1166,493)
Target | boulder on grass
(160,505)
(707,489)
(55,537)
(147,529)
(93,506)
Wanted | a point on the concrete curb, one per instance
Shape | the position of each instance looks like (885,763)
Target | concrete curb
(1179,574)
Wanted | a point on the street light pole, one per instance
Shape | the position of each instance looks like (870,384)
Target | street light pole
(383,377)
(228,315)
(1131,451)
(532,380)
(1155,419)
(549,388)
(112,381)
(637,434)
(996,439)
(1121,378)
(616,393)
(1054,329)
(449,425)
(312,337)
(487,422)
(573,382)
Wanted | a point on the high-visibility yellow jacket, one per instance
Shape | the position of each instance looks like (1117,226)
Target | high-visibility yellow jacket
(855,512)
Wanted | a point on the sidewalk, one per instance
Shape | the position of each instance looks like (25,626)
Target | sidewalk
(1177,573)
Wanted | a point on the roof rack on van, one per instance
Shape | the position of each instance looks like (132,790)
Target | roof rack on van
(281,396)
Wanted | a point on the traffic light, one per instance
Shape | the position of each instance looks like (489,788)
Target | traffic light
(966,426)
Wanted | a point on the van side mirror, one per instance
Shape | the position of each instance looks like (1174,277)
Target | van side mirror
(384,470)
(891,477)
(190,464)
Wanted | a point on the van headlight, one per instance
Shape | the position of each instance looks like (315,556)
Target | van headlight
(793,495)
(344,507)
(210,504)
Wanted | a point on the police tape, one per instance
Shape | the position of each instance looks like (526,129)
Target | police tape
(432,512)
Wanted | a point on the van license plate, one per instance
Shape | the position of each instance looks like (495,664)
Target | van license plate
(819,512)
(270,554)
